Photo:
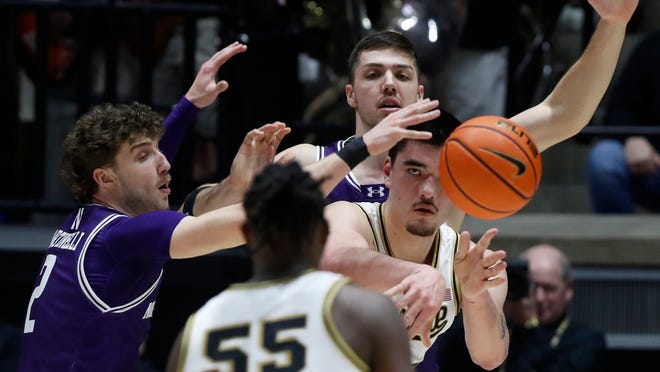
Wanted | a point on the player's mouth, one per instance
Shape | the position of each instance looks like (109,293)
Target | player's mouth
(389,104)
(165,188)
(426,209)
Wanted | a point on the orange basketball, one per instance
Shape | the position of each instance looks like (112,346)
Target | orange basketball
(490,167)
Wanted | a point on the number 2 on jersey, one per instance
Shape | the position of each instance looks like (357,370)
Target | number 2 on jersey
(46,269)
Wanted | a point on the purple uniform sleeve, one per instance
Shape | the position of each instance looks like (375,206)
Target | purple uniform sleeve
(176,126)
(147,235)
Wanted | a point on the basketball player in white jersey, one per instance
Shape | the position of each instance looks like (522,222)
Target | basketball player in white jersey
(416,201)
(289,315)
(407,234)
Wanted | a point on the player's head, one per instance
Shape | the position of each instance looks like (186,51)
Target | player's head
(381,41)
(97,138)
(285,223)
(416,197)
(552,281)
(383,77)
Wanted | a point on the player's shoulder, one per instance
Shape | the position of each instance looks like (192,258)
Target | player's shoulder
(344,208)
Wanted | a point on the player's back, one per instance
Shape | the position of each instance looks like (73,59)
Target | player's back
(89,309)
(284,323)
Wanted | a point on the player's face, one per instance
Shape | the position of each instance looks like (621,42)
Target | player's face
(415,190)
(385,80)
(143,177)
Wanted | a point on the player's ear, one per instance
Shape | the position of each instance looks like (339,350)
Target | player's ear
(350,95)
(104,176)
(387,171)
(420,92)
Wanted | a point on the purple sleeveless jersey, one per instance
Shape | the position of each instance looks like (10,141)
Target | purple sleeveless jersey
(349,189)
(93,300)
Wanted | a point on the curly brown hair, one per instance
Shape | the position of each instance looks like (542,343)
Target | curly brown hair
(96,138)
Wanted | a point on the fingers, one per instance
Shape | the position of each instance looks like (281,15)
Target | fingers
(419,323)
(485,240)
(275,133)
(222,56)
(279,136)
(252,136)
(397,290)
(221,86)
(419,112)
(463,246)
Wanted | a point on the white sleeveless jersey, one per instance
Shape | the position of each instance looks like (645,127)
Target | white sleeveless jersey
(445,247)
(281,324)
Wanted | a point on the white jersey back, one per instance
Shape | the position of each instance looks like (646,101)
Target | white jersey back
(444,249)
(283,324)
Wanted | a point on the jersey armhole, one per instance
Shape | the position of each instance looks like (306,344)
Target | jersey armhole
(189,202)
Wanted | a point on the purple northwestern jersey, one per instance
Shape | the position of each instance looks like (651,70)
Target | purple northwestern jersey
(93,300)
(349,189)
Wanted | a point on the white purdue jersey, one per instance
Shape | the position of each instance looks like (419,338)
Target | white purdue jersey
(272,325)
(445,247)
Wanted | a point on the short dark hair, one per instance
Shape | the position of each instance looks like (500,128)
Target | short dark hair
(284,206)
(96,138)
(379,41)
(441,127)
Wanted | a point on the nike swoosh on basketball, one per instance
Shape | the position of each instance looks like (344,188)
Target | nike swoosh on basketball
(519,164)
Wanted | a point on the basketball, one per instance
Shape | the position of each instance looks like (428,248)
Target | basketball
(490,167)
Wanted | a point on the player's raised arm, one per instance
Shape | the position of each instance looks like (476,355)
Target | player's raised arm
(572,103)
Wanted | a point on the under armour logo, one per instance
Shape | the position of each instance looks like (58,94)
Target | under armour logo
(377,192)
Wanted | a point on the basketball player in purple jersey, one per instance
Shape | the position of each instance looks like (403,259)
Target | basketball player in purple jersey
(93,300)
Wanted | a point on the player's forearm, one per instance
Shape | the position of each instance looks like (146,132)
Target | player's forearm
(220,195)
(329,171)
(210,232)
(176,125)
(486,333)
(369,268)
(575,98)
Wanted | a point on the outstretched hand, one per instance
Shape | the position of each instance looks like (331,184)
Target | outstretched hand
(476,267)
(204,90)
(394,126)
(615,10)
(257,150)
(419,298)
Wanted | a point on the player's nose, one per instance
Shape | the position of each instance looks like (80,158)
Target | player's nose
(164,165)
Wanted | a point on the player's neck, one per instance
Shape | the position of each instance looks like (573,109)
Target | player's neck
(370,171)
(110,204)
(268,271)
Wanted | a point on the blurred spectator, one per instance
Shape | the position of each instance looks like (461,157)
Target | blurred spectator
(623,173)
(544,338)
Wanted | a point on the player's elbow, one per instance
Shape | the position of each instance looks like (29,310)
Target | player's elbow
(330,262)
(491,360)
(336,259)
